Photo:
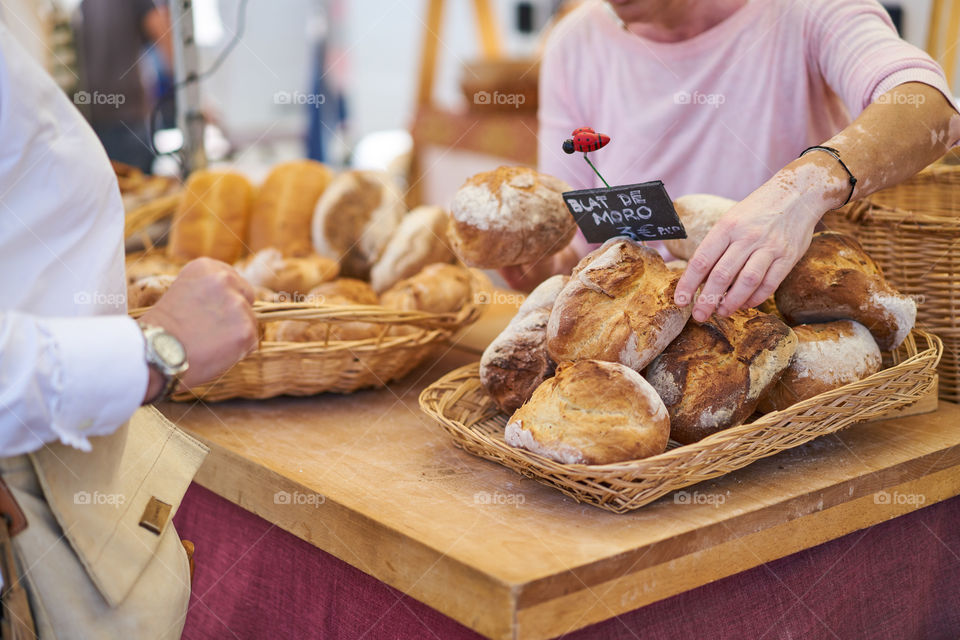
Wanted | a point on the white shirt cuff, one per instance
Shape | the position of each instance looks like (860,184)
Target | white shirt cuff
(103,375)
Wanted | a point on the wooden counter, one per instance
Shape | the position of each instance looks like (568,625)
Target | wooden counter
(370,479)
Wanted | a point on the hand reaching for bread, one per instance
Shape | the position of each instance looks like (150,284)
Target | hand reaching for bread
(208,308)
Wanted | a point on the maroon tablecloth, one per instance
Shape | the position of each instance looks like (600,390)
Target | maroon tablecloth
(898,580)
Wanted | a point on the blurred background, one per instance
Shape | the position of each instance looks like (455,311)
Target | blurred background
(365,83)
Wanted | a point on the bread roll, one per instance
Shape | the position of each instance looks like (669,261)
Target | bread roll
(291,276)
(354,290)
(618,306)
(284,206)
(212,217)
(698,212)
(152,264)
(713,375)
(421,239)
(146,291)
(314,331)
(438,288)
(677,265)
(355,218)
(591,412)
(828,356)
(516,362)
(837,280)
(509,216)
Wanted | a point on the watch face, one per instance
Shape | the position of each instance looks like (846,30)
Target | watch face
(169,350)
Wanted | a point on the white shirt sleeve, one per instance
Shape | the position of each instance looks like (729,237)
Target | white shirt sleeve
(67,379)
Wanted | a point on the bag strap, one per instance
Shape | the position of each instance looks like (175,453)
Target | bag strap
(17,622)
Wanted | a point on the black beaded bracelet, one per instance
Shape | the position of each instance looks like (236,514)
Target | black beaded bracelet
(835,154)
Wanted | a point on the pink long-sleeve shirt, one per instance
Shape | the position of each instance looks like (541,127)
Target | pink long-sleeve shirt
(721,112)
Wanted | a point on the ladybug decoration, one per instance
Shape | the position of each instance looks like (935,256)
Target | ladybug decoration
(585,139)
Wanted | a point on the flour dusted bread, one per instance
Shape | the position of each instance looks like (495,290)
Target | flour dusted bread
(212,217)
(438,288)
(828,356)
(516,362)
(837,280)
(421,239)
(713,375)
(146,291)
(355,218)
(513,215)
(591,412)
(357,291)
(283,208)
(618,306)
(698,212)
(292,276)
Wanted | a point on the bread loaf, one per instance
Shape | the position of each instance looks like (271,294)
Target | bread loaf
(151,264)
(837,280)
(828,356)
(591,412)
(509,216)
(356,291)
(698,212)
(355,218)
(516,362)
(618,306)
(438,288)
(283,209)
(146,291)
(212,217)
(291,276)
(421,239)
(315,331)
(713,375)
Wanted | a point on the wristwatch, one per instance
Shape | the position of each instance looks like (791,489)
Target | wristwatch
(166,355)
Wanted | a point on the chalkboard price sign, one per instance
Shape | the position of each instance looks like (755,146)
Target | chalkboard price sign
(639,211)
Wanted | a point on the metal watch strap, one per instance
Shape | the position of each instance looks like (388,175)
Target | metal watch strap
(170,380)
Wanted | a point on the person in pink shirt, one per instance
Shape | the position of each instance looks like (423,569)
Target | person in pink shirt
(722,97)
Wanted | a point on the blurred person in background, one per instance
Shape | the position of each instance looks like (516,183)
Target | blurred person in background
(722,97)
(112,37)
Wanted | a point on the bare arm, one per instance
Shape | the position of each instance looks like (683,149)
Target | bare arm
(752,249)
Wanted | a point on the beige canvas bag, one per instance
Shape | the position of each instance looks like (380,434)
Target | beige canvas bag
(100,557)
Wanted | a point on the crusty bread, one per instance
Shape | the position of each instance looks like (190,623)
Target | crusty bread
(150,264)
(698,212)
(516,362)
(837,280)
(212,217)
(355,218)
(438,288)
(591,412)
(618,306)
(713,375)
(146,291)
(291,276)
(828,356)
(352,289)
(306,331)
(421,239)
(283,208)
(509,216)
(677,265)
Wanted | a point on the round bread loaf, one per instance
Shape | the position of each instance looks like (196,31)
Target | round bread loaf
(355,218)
(212,217)
(421,239)
(509,216)
(291,276)
(283,208)
(698,212)
(713,375)
(618,306)
(438,288)
(591,412)
(836,280)
(352,289)
(516,362)
(306,331)
(828,356)
(146,291)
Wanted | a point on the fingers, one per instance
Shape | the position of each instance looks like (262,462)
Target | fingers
(751,277)
(245,288)
(775,274)
(702,262)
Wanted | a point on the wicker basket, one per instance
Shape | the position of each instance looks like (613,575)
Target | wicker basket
(459,403)
(913,232)
(406,339)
